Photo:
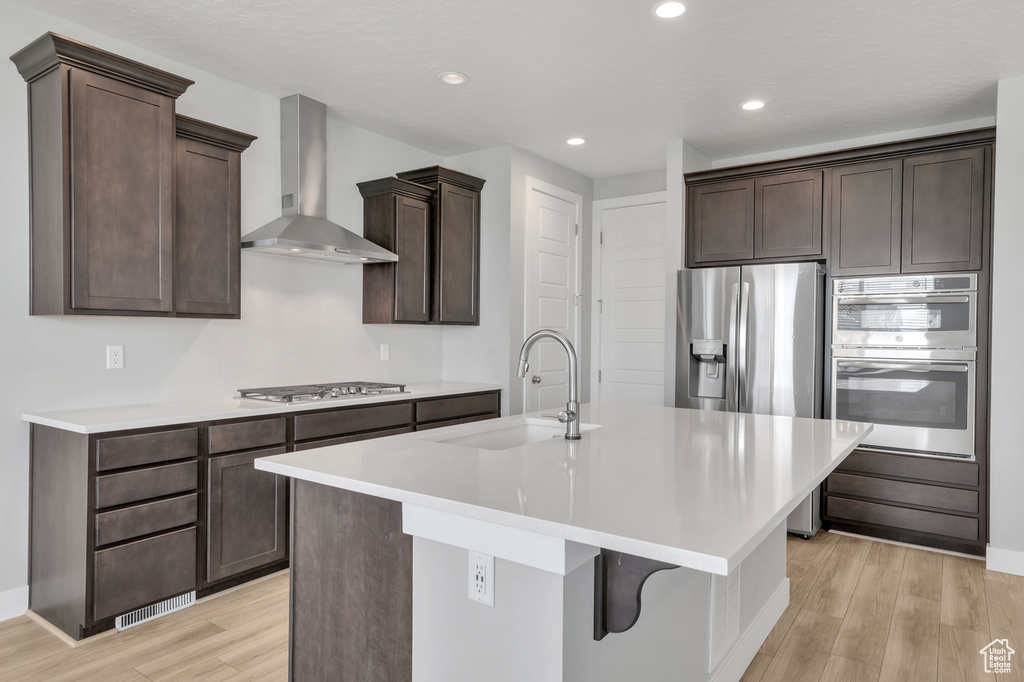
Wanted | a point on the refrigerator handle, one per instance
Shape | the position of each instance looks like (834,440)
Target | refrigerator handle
(741,364)
(733,357)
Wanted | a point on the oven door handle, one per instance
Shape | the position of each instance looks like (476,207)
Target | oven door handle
(920,298)
(919,367)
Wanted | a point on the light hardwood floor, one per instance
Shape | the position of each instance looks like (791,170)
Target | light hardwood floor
(864,611)
(859,610)
(239,636)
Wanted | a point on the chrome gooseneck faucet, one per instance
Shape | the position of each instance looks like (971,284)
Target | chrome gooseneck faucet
(569,416)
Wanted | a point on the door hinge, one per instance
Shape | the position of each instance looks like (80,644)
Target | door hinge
(601,238)
(598,376)
(577,228)
(600,305)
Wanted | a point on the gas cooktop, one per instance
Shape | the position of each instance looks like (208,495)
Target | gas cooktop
(295,394)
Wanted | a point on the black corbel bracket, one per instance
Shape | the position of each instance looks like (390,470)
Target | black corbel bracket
(618,580)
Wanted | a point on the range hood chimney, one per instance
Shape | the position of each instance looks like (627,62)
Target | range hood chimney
(303,229)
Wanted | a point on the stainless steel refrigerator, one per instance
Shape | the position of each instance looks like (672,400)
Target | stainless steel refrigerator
(750,339)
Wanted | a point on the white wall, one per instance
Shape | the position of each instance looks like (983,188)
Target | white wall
(526,164)
(836,145)
(629,185)
(483,353)
(681,157)
(1006,475)
(300,319)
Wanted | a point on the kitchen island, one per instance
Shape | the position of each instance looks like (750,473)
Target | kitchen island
(683,511)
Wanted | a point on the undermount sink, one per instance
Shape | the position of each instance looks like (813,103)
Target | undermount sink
(502,436)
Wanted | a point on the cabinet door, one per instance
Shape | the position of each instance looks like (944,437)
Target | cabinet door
(457,273)
(412,272)
(122,165)
(206,275)
(787,215)
(943,195)
(722,221)
(865,219)
(246,515)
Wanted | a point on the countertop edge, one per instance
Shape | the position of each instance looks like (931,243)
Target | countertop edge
(96,420)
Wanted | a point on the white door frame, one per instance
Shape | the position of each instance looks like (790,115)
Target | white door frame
(537,185)
(600,206)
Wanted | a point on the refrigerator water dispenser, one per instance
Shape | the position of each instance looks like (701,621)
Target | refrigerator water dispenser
(707,368)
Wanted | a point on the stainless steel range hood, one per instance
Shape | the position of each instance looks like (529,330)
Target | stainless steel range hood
(303,229)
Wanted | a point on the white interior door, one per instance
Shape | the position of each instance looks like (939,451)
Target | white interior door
(631,310)
(551,290)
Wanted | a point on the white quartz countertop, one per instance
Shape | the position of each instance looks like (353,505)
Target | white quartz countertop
(123,417)
(693,488)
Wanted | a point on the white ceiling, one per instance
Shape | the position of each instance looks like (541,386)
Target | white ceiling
(544,70)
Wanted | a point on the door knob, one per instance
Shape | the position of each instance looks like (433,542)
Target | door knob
(535,379)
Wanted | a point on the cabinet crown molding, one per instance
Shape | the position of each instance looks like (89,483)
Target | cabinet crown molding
(374,188)
(51,50)
(219,136)
(435,174)
(888,150)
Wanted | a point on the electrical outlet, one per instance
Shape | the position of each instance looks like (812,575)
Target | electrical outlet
(385,351)
(115,357)
(481,578)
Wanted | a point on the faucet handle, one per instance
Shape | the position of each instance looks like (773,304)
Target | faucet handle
(566,416)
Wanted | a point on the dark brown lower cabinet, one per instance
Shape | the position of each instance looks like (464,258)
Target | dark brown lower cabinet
(122,520)
(247,515)
(922,500)
(114,523)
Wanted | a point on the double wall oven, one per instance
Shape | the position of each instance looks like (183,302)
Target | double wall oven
(904,353)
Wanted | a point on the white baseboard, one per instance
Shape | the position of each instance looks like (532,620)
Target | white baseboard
(1004,560)
(13,603)
(737,660)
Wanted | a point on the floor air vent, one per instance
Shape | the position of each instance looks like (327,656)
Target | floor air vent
(155,610)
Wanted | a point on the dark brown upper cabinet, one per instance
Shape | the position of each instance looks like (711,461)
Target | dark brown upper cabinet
(776,217)
(455,273)
(207,221)
(787,215)
(920,213)
(398,214)
(101,132)
(721,226)
(865,220)
(943,210)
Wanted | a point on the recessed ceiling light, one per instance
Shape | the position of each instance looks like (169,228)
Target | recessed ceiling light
(753,105)
(453,77)
(670,9)
(296,249)
(575,141)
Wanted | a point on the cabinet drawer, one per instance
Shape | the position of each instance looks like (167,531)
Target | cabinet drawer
(840,509)
(143,519)
(131,576)
(341,440)
(133,486)
(247,435)
(352,420)
(145,448)
(954,499)
(456,406)
(453,422)
(908,466)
